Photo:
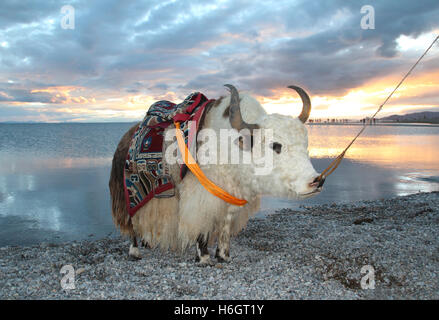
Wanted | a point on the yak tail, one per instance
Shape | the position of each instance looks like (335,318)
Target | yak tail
(121,218)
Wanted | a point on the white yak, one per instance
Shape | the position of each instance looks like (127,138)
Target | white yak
(194,215)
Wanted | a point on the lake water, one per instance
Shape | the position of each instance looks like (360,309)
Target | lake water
(54,177)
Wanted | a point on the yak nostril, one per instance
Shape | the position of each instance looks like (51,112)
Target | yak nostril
(319,181)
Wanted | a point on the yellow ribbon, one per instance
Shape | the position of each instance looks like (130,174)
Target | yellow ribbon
(195,169)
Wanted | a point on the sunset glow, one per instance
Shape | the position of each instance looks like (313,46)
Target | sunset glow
(363,101)
(114,68)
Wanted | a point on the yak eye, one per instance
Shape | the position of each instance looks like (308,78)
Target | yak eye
(276,147)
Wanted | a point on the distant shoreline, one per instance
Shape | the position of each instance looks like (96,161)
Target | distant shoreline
(382,124)
(392,124)
(128,122)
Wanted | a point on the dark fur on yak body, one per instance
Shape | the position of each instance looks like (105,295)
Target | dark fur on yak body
(121,218)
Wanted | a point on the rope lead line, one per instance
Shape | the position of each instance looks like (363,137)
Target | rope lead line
(196,170)
(334,164)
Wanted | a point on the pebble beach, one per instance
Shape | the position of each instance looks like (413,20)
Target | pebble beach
(317,252)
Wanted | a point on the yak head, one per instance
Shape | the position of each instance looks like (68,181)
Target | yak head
(284,139)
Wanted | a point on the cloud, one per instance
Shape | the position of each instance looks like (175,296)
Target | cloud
(13,13)
(169,48)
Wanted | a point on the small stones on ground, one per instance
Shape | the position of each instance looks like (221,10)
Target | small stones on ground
(317,252)
(79,271)
(363,220)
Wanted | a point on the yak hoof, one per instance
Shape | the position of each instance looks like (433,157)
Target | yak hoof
(204,261)
(134,253)
(221,258)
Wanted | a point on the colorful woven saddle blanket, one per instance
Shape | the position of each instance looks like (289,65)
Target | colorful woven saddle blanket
(146,175)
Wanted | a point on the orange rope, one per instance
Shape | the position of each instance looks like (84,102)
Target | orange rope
(334,164)
(195,169)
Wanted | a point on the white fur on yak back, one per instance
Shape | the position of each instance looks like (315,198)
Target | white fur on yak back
(175,223)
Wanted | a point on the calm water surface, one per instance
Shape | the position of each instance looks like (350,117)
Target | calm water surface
(54,177)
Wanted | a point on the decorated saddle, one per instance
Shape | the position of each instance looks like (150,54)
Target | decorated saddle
(146,175)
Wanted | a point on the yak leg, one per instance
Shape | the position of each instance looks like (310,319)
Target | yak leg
(134,252)
(203,256)
(222,253)
(145,244)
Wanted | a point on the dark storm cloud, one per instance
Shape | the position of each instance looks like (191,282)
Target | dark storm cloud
(331,60)
(24,95)
(15,12)
(150,47)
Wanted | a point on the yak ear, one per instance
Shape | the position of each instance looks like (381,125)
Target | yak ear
(226,112)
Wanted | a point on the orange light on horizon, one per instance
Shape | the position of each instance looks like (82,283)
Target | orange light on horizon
(360,102)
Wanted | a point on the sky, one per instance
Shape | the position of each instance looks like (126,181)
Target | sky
(118,57)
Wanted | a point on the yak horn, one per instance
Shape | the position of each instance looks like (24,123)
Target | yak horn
(306,109)
(235,116)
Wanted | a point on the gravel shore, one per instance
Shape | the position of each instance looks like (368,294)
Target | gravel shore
(314,253)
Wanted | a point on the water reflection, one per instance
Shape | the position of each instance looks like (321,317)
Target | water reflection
(19,164)
(416,182)
(57,188)
(54,205)
(402,147)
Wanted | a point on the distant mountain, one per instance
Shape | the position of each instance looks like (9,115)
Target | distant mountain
(424,117)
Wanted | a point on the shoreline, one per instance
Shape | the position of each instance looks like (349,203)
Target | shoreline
(379,124)
(314,253)
(406,124)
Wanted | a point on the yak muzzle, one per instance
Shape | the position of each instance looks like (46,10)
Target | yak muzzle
(318,182)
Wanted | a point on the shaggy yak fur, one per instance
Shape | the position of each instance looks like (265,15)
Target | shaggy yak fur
(193,215)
